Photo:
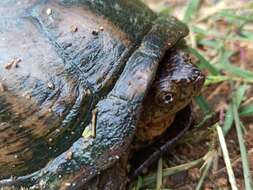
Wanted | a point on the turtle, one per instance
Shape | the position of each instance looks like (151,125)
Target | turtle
(80,81)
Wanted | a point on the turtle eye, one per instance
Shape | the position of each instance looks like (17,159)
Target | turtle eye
(167,98)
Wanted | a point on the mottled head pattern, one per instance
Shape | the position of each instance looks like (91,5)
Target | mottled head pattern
(176,82)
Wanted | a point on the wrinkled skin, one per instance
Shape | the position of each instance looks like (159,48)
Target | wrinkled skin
(46,101)
(176,82)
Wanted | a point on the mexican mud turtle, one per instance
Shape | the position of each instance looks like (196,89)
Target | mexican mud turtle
(111,68)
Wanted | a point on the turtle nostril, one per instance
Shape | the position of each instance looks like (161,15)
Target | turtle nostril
(197,72)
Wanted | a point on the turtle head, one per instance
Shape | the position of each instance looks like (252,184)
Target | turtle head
(177,81)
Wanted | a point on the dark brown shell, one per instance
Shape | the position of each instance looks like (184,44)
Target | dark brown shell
(58,61)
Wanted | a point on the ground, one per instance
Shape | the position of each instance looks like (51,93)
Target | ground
(221,36)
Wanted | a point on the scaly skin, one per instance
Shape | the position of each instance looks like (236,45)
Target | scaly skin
(176,82)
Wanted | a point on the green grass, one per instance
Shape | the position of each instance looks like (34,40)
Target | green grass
(226,157)
(243,150)
(216,61)
(191,9)
(246,110)
(150,179)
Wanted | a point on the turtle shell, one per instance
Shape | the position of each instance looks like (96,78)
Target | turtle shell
(61,59)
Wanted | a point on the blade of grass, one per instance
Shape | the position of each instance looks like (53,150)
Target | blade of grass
(215,44)
(239,95)
(202,103)
(221,6)
(246,35)
(204,174)
(243,150)
(246,110)
(170,171)
(229,117)
(159,177)
(204,32)
(231,16)
(213,70)
(220,78)
(139,183)
(192,37)
(225,55)
(235,161)
(235,70)
(226,158)
(215,79)
(191,10)
(206,118)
